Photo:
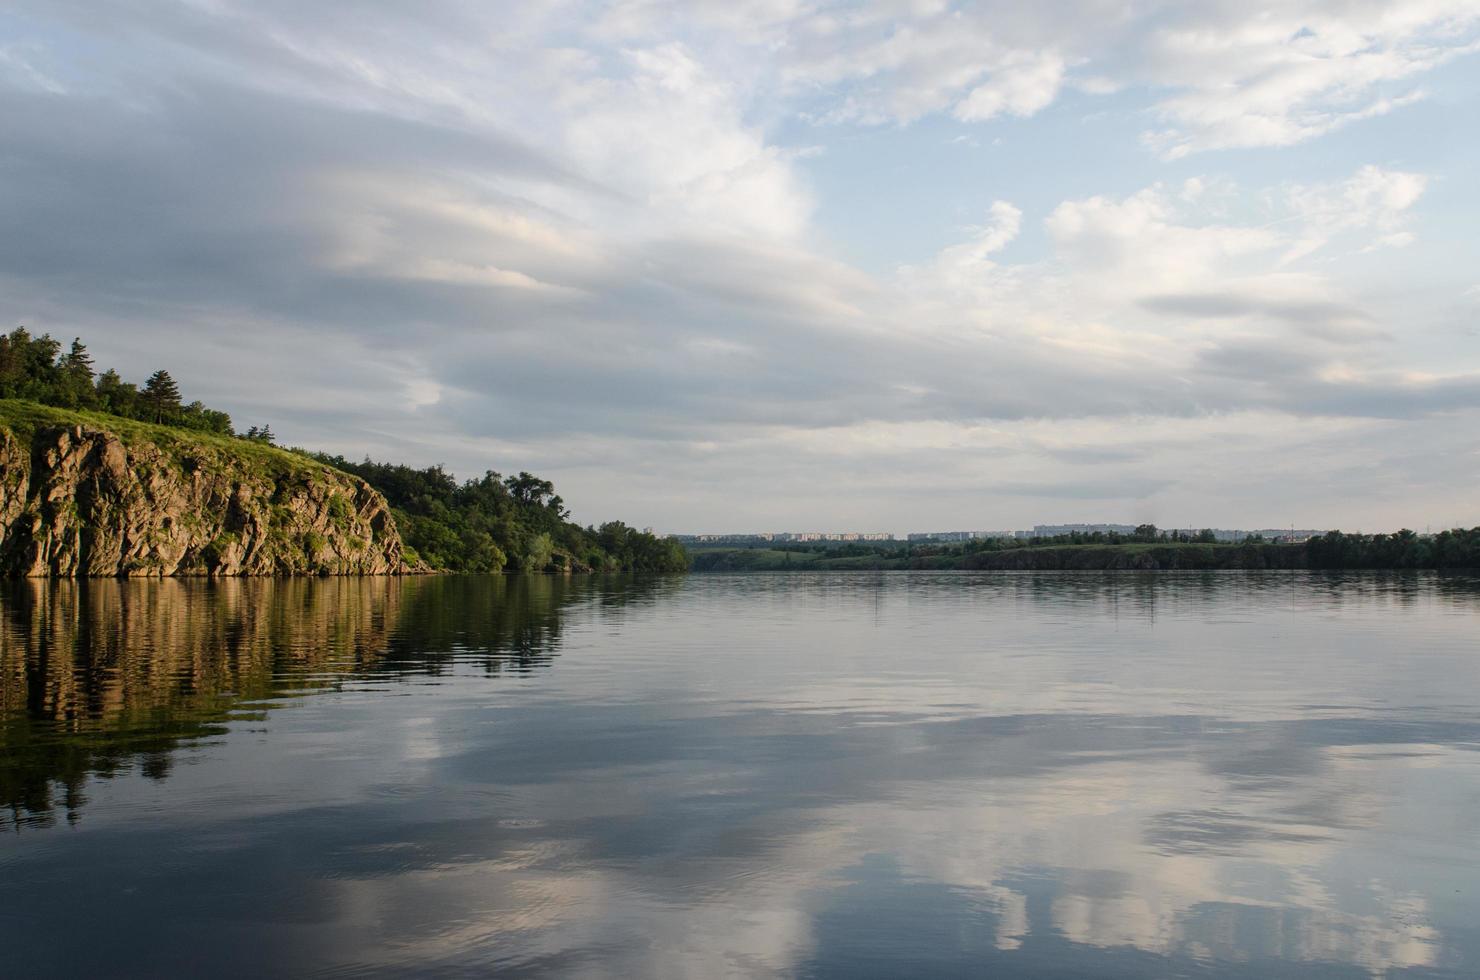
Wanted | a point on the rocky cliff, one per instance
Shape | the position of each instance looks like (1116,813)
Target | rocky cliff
(81,496)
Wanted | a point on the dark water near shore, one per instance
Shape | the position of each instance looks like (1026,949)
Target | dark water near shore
(905,774)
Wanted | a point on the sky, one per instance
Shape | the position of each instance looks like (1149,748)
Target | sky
(782,264)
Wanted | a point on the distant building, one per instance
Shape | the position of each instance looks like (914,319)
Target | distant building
(1280,535)
(1038,531)
(925,536)
(1058,530)
(783,537)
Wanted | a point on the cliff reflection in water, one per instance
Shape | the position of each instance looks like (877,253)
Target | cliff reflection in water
(101,677)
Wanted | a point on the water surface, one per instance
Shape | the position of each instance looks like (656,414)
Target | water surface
(901,774)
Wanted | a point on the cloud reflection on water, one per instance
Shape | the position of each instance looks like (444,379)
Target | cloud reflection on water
(844,776)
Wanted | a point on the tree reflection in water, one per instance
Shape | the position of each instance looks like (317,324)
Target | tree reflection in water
(106,676)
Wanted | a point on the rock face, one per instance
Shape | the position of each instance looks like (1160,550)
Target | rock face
(76,501)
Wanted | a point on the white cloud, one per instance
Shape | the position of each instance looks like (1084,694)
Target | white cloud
(1217,75)
(1150,242)
(1293,71)
(1022,85)
(1373,199)
(968,264)
(696,160)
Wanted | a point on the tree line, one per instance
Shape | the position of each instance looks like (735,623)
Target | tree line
(1458,548)
(1455,548)
(37,369)
(496,523)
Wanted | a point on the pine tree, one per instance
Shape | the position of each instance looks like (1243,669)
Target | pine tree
(78,363)
(161,396)
(76,387)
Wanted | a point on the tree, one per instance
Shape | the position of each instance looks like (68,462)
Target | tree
(78,363)
(197,416)
(116,395)
(529,489)
(161,396)
(40,359)
(77,376)
(28,367)
(12,360)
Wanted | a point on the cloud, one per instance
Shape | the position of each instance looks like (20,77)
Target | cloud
(1295,72)
(1215,77)
(1372,199)
(18,67)
(1143,241)
(575,242)
(968,264)
(1021,86)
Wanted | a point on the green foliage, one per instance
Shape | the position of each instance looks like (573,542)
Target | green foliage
(34,368)
(189,449)
(213,552)
(540,555)
(1457,548)
(494,523)
(1143,549)
(340,511)
(161,397)
(639,551)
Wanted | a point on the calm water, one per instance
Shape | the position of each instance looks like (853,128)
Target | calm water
(845,776)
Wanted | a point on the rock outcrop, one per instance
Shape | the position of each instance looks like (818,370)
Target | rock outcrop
(80,501)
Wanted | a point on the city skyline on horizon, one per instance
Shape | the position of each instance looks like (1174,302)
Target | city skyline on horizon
(1042,530)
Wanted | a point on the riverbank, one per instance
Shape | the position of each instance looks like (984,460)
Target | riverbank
(1452,550)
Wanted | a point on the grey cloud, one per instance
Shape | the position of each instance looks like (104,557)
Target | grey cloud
(1262,361)
(1131,488)
(1287,375)
(205,194)
(1094,456)
(1336,321)
(1382,397)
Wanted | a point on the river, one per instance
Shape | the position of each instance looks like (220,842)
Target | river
(817,775)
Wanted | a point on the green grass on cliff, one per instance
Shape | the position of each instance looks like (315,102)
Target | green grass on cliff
(25,418)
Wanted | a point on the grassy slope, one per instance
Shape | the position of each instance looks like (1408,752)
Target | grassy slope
(24,417)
